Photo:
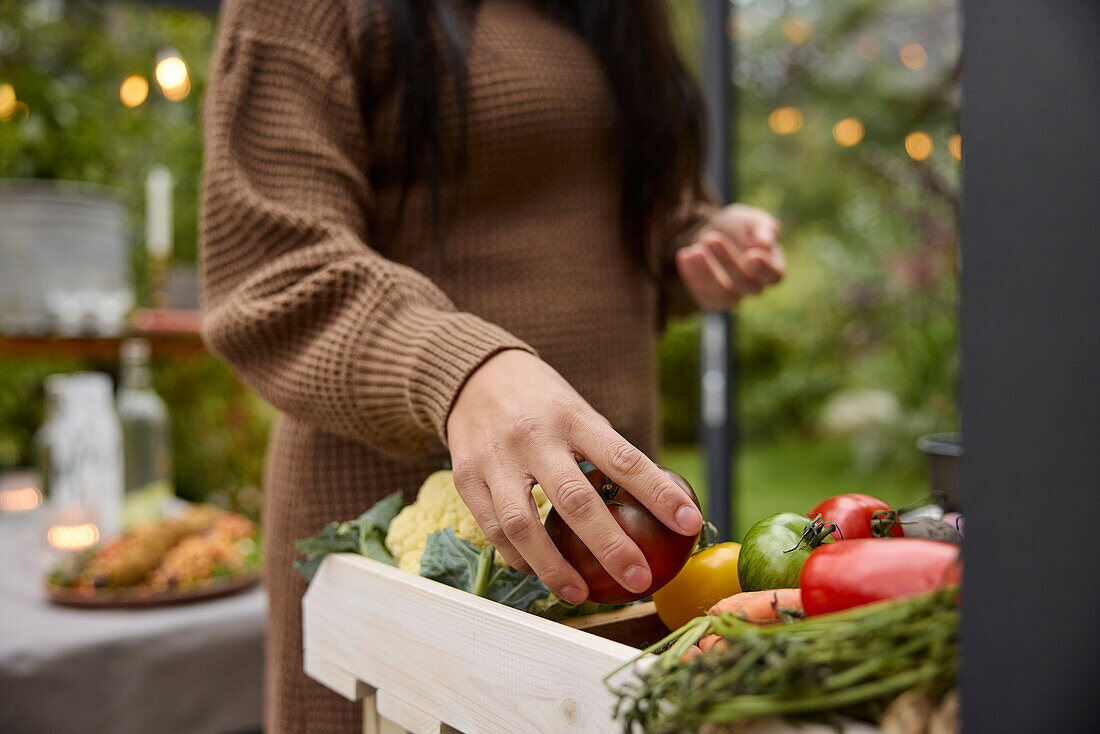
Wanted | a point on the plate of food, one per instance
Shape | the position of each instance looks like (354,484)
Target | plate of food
(201,553)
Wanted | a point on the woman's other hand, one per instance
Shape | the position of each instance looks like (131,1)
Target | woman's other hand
(737,253)
(517,422)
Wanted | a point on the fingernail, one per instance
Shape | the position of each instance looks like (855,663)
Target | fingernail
(637,578)
(573,594)
(689,519)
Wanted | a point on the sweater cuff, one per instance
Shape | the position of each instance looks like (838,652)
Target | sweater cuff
(445,348)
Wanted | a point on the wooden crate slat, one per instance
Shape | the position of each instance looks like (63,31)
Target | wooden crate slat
(476,665)
(334,677)
(372,724)
(410,719)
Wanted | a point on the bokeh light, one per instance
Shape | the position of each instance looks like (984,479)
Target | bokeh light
(171,74)
(918,145)
(797,30)
(848,132)
(134,90)
(913,56)
(955,146)
(785,120)
(178,94)
(9,104)
(20,500)
(73,537)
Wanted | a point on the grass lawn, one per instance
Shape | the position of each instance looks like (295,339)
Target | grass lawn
(794,475)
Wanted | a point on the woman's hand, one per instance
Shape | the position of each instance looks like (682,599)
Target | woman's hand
(735,254)
(516,423)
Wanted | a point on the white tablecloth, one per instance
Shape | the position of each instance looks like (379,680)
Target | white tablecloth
(190,669)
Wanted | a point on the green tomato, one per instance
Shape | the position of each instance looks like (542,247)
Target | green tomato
(775,548)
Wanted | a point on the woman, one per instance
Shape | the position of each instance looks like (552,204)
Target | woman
(436,223)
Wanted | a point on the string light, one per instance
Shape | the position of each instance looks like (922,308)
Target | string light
(785,120)
(134,90)
(171,75)
(797,30)
(955,146)
(9,104)
(913,56)
(918,145)
(848,132)
(178,94)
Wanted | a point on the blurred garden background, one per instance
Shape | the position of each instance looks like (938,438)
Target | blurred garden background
(846,119)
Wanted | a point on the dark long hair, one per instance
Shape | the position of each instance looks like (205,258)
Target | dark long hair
(657,107)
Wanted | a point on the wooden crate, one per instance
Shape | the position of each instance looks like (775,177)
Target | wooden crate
(426,658)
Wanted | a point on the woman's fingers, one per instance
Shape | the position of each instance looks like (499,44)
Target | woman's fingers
(475,493)
(704,279)
(628,467)
(520,523)
(733,261)
(581,506)
(767,265)
(517,420)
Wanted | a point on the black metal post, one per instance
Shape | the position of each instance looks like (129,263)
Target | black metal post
(717,420)
(1031,365)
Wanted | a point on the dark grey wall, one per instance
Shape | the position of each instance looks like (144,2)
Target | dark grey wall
(1031,365)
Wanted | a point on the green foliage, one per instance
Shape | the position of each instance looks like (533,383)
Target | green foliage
(219,433)
(22,405)
(869,299)
(66,61)
(365,535)
(792,474)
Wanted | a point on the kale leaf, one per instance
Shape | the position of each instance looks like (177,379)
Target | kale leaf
(364,535)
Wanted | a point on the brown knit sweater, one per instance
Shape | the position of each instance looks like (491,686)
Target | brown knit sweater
(362,334)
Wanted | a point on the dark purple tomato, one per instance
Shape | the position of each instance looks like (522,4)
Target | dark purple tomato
(665,550)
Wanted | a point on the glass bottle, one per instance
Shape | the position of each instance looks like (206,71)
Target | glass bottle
(80,447)
(54,388)
(146,437)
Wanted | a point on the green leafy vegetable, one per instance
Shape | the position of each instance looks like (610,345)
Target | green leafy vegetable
(457,562)
(447,558)
(850,663)
(365,535)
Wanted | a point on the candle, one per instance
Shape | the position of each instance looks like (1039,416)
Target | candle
(20,500)
(158,212)
(73,537)
(69,529)
(19,492)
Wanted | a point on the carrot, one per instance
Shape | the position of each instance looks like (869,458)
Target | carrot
(691,652)
(771,606)
(761,607)
(711,641)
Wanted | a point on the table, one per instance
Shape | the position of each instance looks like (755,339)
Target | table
(190,669)
(170,333)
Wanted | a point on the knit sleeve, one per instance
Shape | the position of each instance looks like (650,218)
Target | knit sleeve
(679,230)
(294,298)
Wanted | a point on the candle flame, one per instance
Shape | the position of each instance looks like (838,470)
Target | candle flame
(20,500)
(72,537)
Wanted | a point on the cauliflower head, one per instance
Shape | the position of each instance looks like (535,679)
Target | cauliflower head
(438,505)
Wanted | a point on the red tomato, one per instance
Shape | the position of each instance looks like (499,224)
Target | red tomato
(665,550)
(852,572)
(852,514)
